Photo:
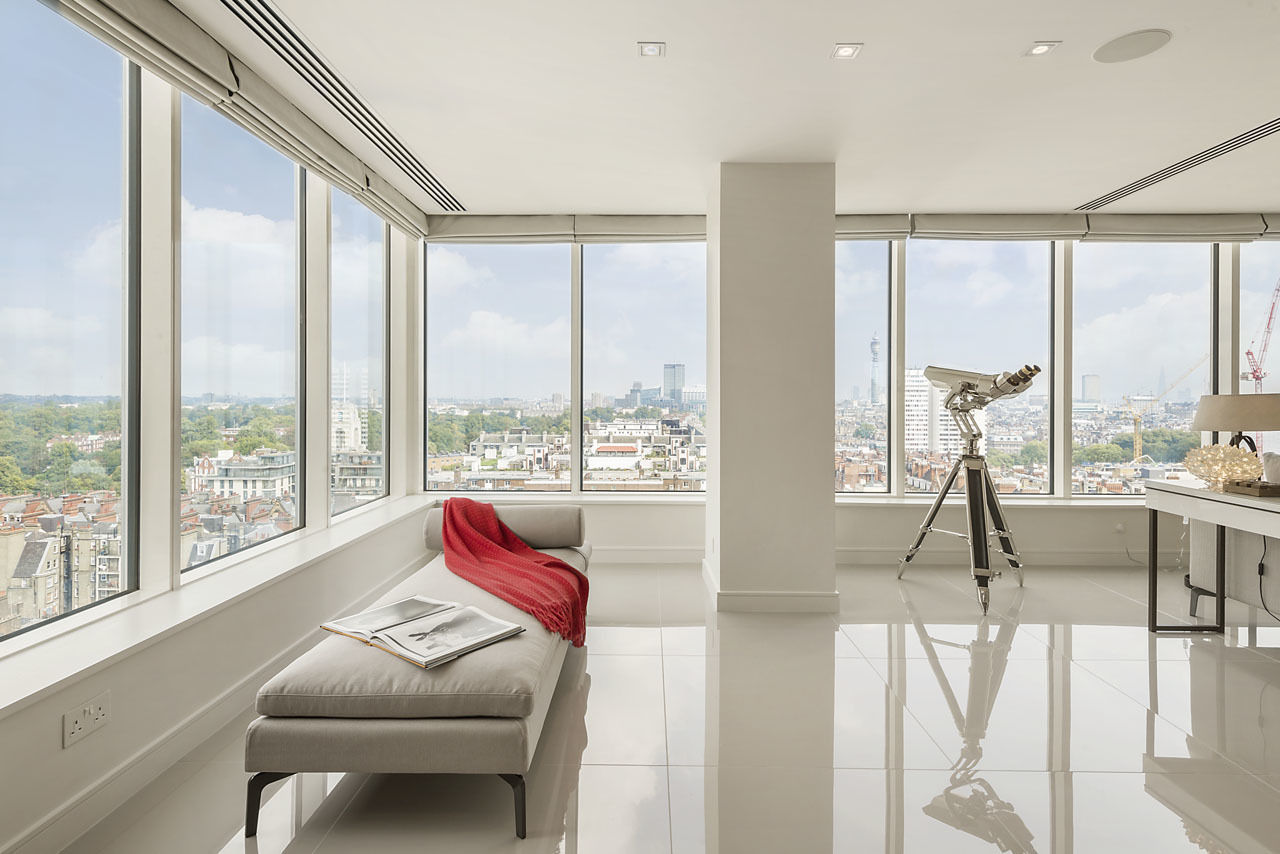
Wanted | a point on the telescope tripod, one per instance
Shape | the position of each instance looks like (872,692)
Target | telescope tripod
(980,499)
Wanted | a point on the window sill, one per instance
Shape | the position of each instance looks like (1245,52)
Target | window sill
(41,662)
(585,498)
(1009,501)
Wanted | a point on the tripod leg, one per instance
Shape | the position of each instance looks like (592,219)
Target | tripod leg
(1001,525)
(975,504)
(929,518)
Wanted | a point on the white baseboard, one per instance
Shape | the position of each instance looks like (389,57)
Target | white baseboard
(769,601)
(1053,558)
(79,813)
(645,554)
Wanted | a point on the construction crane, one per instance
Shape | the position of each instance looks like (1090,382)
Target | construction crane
(1137,414)
(1258,359)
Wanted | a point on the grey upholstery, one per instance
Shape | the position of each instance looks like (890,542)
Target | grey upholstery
(541,526)
(342,678)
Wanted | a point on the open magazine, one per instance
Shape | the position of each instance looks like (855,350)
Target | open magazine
(424,631)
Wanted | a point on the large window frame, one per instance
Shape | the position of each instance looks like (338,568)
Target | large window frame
(300,232)
(1222,299)
(130,362)
(386,357)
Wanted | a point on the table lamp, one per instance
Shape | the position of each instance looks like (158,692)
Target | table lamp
(1234,414)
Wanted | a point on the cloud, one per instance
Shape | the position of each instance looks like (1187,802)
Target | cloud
(681,265)
(503,337)
(948,254)
(1129,347)
(449,270)
(213,365)
(987,286)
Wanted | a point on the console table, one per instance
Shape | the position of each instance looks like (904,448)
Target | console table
(1221,509)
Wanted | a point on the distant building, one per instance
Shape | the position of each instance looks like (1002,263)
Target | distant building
(672,380)
(928,427)
(1091,388)
(265,473)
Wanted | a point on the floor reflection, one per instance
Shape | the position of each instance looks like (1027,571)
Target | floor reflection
(1056,725)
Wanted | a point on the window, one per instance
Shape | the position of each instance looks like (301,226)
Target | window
(862,366)
(1259,280)
(357,348)
(1141,355)
(644,328)
(63,523)
(978,306)
(498,349)
(239,339)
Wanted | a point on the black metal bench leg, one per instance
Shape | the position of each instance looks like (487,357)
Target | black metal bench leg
(516,781)
(253,801)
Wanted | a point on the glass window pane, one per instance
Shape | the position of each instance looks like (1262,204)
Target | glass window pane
(239,339)
(1259,280)
(978,306)
(61,319)
(644,375)
(1141,356)
(862,366)
(357,336)
(498,344)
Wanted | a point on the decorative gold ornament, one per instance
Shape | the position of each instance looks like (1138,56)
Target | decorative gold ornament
(1217,464)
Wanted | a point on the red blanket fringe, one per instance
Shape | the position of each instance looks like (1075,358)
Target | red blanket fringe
(479,548)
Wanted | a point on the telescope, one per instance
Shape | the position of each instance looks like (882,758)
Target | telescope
(968,392)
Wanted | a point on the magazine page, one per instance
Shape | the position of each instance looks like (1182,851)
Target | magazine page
(364,624)
(438,637)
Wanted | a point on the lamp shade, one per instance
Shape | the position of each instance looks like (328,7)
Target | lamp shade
(1236,413)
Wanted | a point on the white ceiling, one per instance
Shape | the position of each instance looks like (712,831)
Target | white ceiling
(525,107)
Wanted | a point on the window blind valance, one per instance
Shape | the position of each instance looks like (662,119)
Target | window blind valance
(1272,221)
(450,228)
(1193,228)
(999,226)
(593,228)
(872,226)
(159,37)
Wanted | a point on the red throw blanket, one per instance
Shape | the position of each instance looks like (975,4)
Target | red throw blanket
(479,548)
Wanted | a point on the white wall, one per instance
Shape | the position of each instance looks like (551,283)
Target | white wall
(168,697)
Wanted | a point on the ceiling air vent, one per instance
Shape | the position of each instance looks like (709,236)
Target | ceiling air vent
(1183,165)
(268,25)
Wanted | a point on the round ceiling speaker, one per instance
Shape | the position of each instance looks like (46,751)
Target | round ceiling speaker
(1132,46)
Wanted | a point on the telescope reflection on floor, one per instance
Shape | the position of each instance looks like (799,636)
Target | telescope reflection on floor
(969,802)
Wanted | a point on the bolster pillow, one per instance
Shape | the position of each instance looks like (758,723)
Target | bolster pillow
(541,526)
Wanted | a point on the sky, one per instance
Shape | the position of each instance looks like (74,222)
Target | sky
(61,243)
(499,316)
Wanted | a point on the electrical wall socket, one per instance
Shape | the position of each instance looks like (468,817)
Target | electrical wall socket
(85,718)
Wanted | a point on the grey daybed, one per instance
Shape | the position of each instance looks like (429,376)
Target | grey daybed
(345,706)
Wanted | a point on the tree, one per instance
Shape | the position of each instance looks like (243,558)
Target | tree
(1161,444)
(1102,453)
(1032,453)
(12,480)
(375,429)
(865,430)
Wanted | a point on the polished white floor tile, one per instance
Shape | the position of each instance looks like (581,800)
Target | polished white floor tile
(1069,727)
(624,640)
(626,721)
(623,809)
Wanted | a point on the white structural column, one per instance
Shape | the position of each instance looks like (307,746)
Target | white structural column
(315,369)
(160,369)
(403,409)
(771,386)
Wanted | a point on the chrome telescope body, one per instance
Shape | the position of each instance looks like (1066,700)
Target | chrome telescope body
(969,391)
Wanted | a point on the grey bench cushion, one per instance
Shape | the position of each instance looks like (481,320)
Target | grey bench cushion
(343,678)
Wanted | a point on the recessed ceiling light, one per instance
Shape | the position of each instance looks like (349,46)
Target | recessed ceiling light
(652,48)
(1040,48)
(846,51)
